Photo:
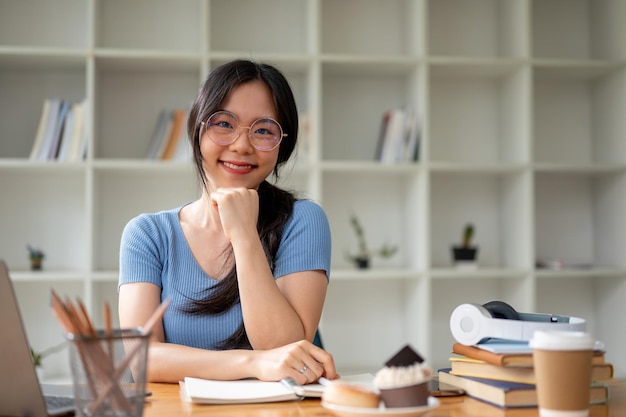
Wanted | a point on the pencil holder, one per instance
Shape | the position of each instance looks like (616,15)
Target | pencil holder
(109,372)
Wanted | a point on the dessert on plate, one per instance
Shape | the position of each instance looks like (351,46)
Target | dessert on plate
(403,381)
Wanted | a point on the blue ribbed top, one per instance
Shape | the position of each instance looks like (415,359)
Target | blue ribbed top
(154,249)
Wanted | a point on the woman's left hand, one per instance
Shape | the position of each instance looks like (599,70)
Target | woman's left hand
(302,361)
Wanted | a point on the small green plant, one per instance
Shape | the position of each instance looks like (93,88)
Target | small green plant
(465,254)
(468,234)
(38,357)
(364,254)
(34,253)
(36,257)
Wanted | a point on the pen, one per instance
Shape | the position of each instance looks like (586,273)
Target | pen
(323,381)
(293,386)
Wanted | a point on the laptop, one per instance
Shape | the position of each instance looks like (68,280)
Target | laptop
(20,391)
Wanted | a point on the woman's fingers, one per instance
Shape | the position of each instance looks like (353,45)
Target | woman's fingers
(238,209)
(312,363)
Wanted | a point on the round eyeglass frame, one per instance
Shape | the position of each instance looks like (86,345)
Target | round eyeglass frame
(237,132)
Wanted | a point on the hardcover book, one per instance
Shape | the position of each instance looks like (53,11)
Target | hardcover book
(505,394)
(465,366)
(501,356)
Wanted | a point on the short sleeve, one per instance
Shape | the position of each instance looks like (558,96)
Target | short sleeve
(306,241)
(140,252)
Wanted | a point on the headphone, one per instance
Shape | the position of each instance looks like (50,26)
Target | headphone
(472,323)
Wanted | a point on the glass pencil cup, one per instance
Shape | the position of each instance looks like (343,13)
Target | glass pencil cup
(109,372)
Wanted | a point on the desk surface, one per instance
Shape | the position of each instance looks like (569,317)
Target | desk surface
(166,402)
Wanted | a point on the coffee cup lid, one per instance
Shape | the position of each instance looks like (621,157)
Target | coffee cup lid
(561,340)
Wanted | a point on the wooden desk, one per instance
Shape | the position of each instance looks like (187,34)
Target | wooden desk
(166,402)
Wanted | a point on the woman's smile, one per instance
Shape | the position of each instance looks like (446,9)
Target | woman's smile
(238,167)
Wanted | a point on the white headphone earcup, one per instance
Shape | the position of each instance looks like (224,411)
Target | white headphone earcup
(468,323)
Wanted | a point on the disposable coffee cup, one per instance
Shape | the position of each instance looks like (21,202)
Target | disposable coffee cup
(562,362)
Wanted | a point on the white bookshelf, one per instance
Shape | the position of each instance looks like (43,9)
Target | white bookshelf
(523,134)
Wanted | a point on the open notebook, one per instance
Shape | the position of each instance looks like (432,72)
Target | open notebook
(20,391)
(207,391)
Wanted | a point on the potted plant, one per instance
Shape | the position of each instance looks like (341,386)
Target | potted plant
(36,258)
(465,255)
(362,257)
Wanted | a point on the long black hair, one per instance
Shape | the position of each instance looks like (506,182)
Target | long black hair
(275,204)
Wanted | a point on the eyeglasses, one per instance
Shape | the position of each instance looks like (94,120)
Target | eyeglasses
(223,129)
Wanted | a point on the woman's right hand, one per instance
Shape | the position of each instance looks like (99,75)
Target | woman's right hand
(238,209)
(302,361)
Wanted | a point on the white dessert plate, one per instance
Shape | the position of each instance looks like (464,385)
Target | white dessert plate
(343,411)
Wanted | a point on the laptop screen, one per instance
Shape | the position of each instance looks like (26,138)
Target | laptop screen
(20,392)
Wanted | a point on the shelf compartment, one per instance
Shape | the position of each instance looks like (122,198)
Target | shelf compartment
(490,109)
(578,219)
(577,115)
(124,133)
(353,105)
(498,207)
(45,207)
(26,82)
(387,215)
(62,23)
(480,28)
(113,187)
(586,29)
(148,24)
(370,27)
(234,25)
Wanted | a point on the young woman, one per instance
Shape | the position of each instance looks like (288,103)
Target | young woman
(246,265)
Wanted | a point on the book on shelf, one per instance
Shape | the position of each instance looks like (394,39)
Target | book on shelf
(392,141)
(183,152)
(507,354)
(41,129)
(169,138)
(66,138)
(398,138)
(506,394)
(57,133)
(208,391)
(60,133)
(45,131)
(171,144)
(413,134)
(78,142)
(160,134)
(464,366)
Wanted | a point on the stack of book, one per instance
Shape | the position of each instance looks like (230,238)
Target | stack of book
(169,138)
(501,373)
(399,136)
(61,133)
